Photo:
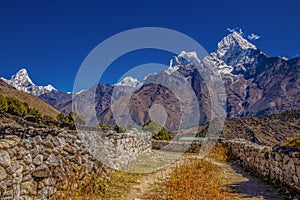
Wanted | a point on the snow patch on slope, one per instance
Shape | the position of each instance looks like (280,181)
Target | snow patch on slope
(129,82)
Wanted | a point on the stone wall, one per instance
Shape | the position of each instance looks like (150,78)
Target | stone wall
(279,164)
(121,148)
(33,161)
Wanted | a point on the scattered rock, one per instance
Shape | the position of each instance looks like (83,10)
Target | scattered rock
(41,171)
(38,160)
(4,159)
(3,173)
(70,149)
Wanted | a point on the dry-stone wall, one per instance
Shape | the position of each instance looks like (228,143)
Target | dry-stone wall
(278,164)
(122,148)
(34,160)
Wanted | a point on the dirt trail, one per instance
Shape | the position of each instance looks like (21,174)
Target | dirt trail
(248,186)
(238,180)
(138,191)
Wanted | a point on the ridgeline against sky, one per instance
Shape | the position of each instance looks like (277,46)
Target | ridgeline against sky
(51,39)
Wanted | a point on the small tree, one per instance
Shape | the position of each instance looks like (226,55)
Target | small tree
(159,132)
(34,112)
(104,126)
(3,104)
(163,134)
(120,128)
(76,118)
(15,107)
(47,117)
(62,118)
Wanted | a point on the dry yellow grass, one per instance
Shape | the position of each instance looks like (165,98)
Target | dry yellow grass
(293,142)
(33,101)
(197,179)
(96,186)
(219,152)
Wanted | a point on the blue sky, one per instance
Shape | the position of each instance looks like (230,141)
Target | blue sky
(52,38)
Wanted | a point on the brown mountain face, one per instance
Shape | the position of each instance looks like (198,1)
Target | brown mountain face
(279,83)
(142,101)
(134,109)
(255,84)
(271,87)
(33,101)
(59,100)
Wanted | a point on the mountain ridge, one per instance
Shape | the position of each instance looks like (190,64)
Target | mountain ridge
(255,84)
(23,82)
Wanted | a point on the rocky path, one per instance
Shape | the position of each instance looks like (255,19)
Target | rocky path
(239,181)
(139,191)
(251,188)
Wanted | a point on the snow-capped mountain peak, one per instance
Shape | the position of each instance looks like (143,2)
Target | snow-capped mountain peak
(233,41)
(22,77)
(22,81)
(190,57)
(184,59)
(235,53)
(49,87)
(129,81)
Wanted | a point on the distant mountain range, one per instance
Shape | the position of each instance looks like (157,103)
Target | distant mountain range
(255,84)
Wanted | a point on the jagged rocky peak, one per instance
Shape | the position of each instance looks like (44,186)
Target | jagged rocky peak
(187,57)
(235,52)
(22,76)
(129,82)
(233,41)
(23,82)
(184,59)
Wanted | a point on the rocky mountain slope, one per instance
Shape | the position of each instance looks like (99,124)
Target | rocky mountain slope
(255,84)
(270,130)
(33,101)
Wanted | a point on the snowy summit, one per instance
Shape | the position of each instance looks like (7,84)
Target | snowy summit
(129,82)
(22,81)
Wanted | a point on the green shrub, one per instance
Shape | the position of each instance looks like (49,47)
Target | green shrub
(120,128)
(104,126)
(159,132)
(16,107)
(34,112)
(71,118)
(62,118)
(13,106)
(163,134)
(76,118)
(3,104)
(47,117)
